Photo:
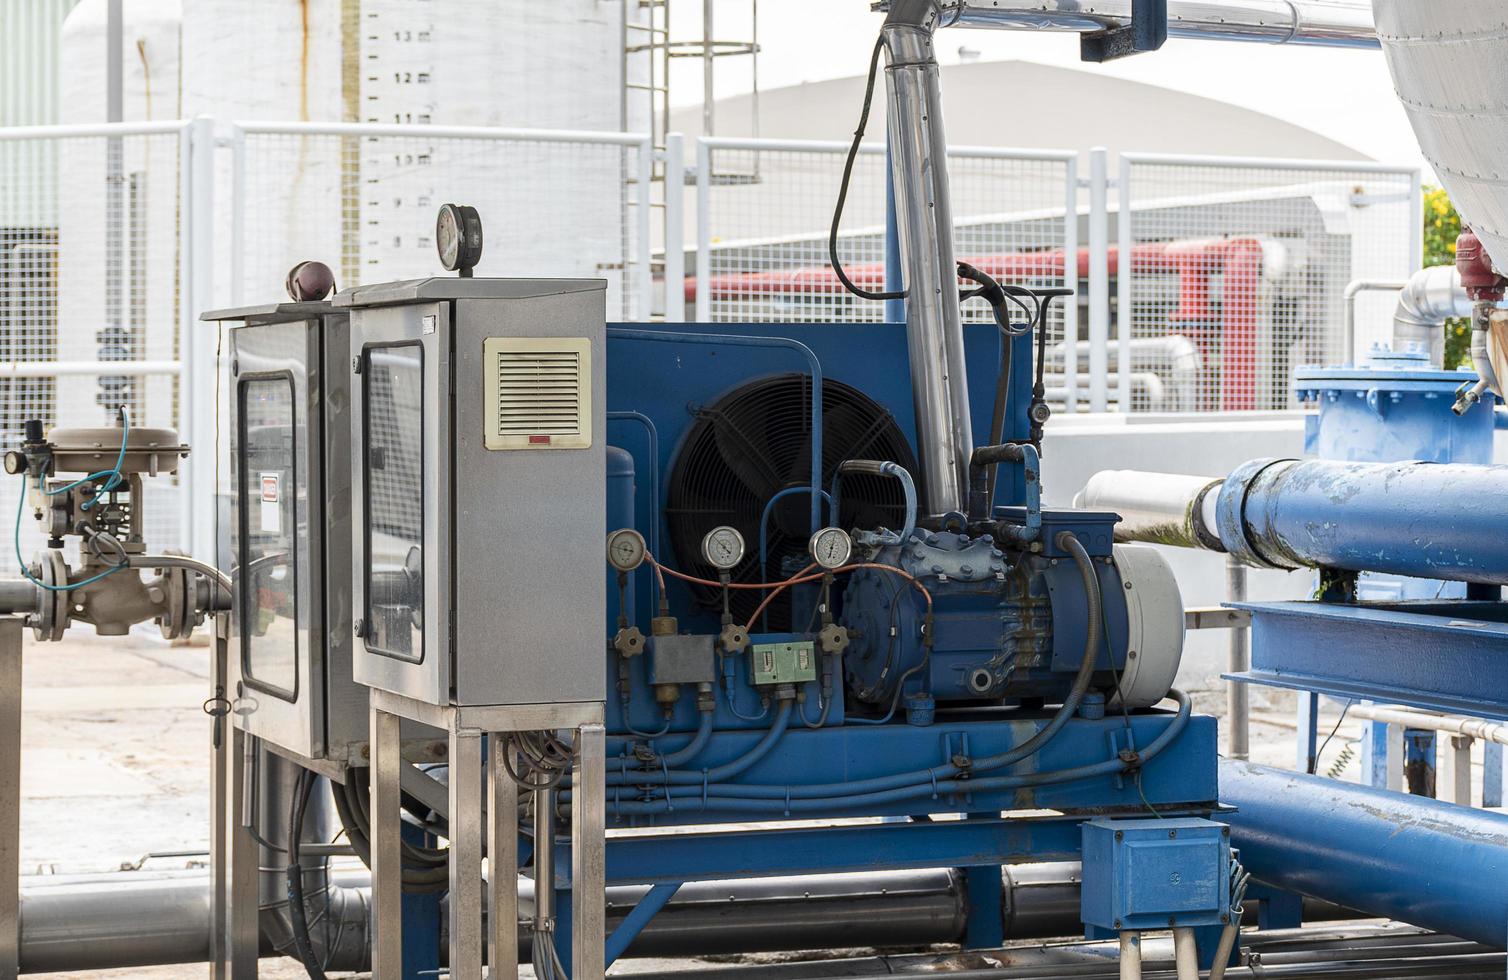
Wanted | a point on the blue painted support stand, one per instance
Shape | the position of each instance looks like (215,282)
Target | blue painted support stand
(647,908)
(421,922)
(985,926)
(1308,747)
(1492,774)
(1419,762)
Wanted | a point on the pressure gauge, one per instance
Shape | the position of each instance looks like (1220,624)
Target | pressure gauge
(831,547)
(625,549)
(723,547)
(458,237)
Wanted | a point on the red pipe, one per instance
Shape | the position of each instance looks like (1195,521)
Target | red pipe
(1195,261)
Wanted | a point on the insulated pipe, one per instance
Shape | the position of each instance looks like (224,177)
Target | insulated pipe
(924,222)
(1264,21)
(1432,864)
(1430,297)
(1156,508)
(122,921)
(1369,517)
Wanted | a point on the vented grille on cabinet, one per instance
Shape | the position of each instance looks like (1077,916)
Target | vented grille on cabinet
(538,392)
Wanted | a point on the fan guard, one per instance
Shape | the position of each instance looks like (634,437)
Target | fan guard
(753,443)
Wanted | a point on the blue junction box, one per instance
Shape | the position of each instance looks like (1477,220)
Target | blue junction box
(1155,874)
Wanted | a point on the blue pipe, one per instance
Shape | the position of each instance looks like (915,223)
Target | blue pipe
(732,340)
(786,800)
(764,521)
(653,436)
(886,468)
(697,743)
(1427,520)
(895,309)
(725,771)
(653,902)
(1432,864)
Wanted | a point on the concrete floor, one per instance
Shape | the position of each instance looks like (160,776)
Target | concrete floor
(115,768)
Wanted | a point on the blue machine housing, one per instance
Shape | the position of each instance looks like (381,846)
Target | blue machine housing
(683,749)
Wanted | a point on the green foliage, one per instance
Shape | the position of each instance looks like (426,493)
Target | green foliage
(1441,226)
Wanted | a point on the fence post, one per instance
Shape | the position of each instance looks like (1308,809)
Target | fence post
(644,280)
(1125,268)
(1099,278)
(196,401)
(237,143)
(675,218)
(1071,281)
(703,231)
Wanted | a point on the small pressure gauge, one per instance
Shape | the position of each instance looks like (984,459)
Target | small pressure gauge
(458,238)
(723,547)
(831,547)
(625,549)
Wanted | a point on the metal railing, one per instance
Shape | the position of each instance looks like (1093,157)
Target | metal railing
(113,239)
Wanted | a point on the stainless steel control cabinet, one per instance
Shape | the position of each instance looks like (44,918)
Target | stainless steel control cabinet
(287,395)
(479,477)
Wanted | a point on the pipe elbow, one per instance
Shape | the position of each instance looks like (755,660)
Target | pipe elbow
(925,15)
(1430,297)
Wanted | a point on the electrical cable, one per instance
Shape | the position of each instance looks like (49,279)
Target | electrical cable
(853,154)
(1314,762)
(297,913)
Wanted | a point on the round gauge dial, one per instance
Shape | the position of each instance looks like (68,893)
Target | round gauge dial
(625,549)
(458,237)
(723,547)
(831,547)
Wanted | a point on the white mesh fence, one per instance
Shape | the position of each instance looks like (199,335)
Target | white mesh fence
(764,214)
(90,266)
(362,199)
(1237,275)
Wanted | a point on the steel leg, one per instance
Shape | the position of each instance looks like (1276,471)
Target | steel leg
(502,864)
(1130,956)
(239,918)
(588,857)
(1492,774)
(387,852)
(1238,705)
(465,854)
(1308,747)
(10,797)
(1459,757)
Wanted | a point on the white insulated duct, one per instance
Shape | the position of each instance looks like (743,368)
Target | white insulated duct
(1431,296)
(1450,67)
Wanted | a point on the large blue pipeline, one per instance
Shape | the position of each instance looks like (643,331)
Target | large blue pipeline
(1409,858)
(1430,520)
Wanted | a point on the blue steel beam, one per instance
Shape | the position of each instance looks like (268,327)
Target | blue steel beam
(1420,861)
(1444,656)
(647,908)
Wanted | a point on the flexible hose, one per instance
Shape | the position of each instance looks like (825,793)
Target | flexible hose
(298,914)
(760,799)
(698,742)
(725,771)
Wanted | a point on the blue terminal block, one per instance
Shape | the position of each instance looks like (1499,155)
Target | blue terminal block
(1155,874)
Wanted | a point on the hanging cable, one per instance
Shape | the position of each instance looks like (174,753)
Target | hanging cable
(853,154)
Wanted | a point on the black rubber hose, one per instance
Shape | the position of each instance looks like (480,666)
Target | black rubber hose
(1094,602)
(853,154)
(297,913)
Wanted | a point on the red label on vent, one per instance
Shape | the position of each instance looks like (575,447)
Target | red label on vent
(539,440)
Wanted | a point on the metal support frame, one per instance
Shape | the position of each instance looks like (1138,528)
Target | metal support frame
(235,940)
(466,727)
(1237,700)
(10,796)
(1147,31)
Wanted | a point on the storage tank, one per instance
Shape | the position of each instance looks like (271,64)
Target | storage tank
(1450,67)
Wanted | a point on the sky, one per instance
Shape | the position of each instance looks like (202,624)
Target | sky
(1345,94)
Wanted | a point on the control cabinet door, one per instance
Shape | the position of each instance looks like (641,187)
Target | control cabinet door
(400,481)
(277,621)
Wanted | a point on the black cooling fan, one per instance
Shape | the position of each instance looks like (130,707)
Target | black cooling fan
(754,443)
